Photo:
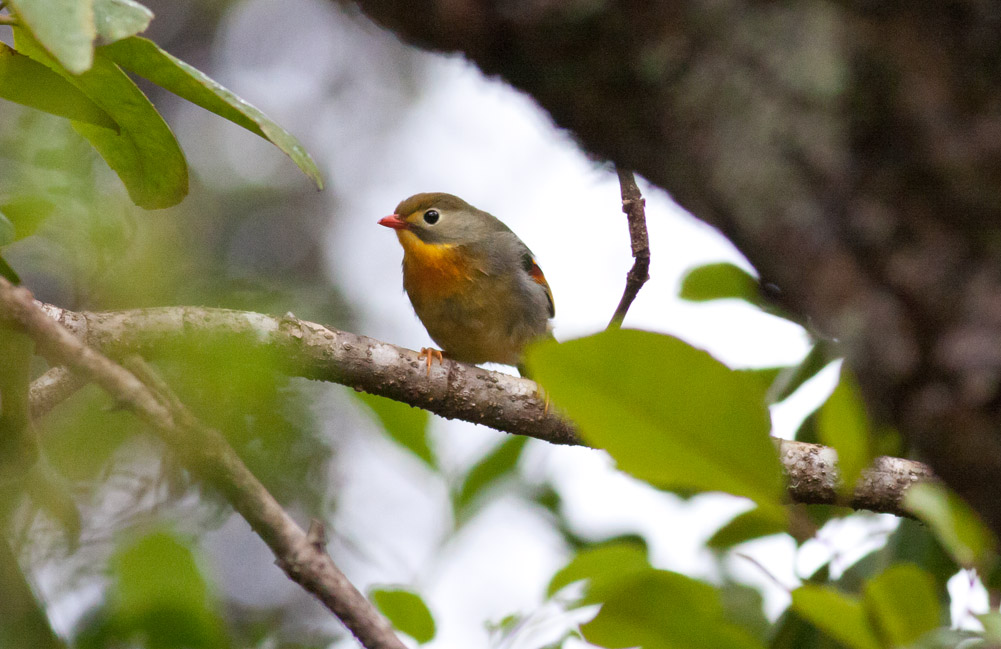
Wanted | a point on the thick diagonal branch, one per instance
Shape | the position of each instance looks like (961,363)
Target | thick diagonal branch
(206,452)
(452,390)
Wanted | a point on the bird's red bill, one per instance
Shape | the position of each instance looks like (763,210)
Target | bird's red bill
(394,221)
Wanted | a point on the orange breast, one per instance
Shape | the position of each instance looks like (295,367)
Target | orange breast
(432,271)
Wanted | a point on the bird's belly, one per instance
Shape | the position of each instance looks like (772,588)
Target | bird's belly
(477,331)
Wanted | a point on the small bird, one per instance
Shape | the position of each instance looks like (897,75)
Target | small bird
(474,285)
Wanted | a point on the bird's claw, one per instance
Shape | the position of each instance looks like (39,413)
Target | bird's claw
(543,396)
(428,354)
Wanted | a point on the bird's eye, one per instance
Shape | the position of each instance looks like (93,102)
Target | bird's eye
(431,217)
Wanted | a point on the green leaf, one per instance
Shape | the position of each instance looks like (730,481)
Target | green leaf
(406,425)
(7,231)
(64,28)
(601,565)
(146,59)
(793,378)
(955,524)
(161,595)
(667,412)
(495,465)
(842,424)
(752,524)
(765,377)
(32,84)
(902,601)
(407,611)
(792,631)
(718,282)
(26,213)
(8,273)
(745,606)
(144,154)
(840,616)
(912,542)
(992,626)
(118,19)
(657,609)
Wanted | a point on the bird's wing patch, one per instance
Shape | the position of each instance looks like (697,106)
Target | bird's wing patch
(535,272)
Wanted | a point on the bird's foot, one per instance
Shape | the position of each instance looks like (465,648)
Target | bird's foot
(542,395)
(428,354)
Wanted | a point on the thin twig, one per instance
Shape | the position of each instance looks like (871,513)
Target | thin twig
(765,571)
(633,205)
(206,452)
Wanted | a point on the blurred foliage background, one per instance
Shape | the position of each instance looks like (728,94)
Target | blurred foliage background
(118,547)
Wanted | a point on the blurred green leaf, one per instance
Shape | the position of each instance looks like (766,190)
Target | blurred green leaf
(752,524)
(745,605)
(793,631)
(407,612)
(24,623)
(840,616)
(718,282)
(239,389)
(145,58)
(18,441)
(32,84)
(902,601)
(7,231)
(64,28)
(53,494)
(955,524)
(764,377)
(497,464)
(82,435)
(667,412)
(144,153)
(842,424)
(8,273)
(943,638)
(160,595)
(912,542)
(118,19)
(992,626)
(657,609)
(793,378)
(406,425)
(26,213)
(601,565)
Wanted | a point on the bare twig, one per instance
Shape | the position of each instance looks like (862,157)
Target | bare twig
(207,453)
(453,390)
(765,571)
(633,205)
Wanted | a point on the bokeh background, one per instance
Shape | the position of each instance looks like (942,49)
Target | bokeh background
(383,121)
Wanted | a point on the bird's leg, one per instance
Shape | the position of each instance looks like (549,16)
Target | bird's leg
(428,354)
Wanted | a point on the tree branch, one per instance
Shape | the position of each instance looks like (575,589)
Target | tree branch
(452,390)
(633,205)
(848,149)
(52,388)
(206,452)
